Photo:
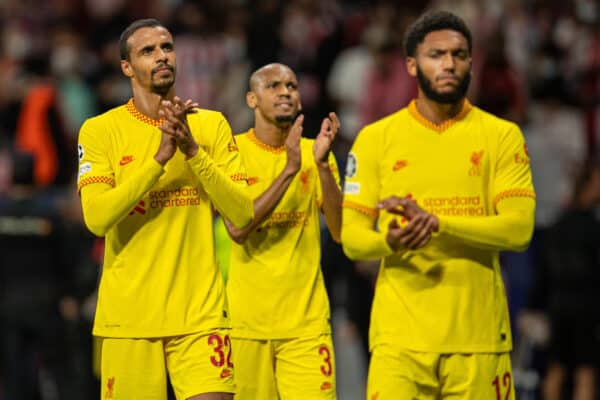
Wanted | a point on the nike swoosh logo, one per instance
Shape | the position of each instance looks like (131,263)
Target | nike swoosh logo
(126,160)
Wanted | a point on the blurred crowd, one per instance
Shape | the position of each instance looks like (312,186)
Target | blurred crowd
(536,62)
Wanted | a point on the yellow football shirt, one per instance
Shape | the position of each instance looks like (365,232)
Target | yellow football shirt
(159,276)
(449,295)
(275,288)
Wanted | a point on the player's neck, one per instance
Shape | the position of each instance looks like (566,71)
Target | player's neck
(148,103)
(269,133)
(438,113)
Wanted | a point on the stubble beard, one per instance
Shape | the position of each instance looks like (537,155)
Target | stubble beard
(285,121)
(443,98)
(163,86)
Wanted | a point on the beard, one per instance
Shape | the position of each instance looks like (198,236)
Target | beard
(163,86)
(443,98)
(283,121)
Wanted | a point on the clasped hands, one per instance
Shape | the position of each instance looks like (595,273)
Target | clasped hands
(175,129)
(421,224)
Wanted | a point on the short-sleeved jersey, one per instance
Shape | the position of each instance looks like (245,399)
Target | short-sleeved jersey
(447,296)
(159,276)
(275,288)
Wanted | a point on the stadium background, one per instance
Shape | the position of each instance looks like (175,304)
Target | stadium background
(534,62)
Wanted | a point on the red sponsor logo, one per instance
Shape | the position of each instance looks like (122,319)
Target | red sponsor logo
(110,384)
(326,385)
(140,208)
(375,396)
(526,149)
(399,165)
(126,160)
(252,180)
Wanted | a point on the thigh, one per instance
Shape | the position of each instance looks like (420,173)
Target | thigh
(200,363)
(254,369)
(305,368)
(477,376)
(401,374)
(133,369)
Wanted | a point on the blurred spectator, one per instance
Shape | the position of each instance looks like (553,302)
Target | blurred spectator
(68,61)
(557,148)
(567,289)
(40,128)
(346,86)
(505,92)
(34,278)
(387,87)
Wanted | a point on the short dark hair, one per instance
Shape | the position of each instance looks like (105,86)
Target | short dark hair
(430,22)
(134,26)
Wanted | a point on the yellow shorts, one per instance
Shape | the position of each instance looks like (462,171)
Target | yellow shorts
(401,374)
(285,369)
(137,368)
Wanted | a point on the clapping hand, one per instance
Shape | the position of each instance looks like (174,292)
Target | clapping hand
(329,129)
(419,229)
(176,126)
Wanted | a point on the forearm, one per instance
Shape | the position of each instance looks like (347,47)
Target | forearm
(360,241)
(263,205)
(510,229)
(229,198)
(103,206)
(332,202)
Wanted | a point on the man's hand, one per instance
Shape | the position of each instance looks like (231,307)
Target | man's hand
(176,125)
(419,229)
(322,146)
(292,147)
(166,149)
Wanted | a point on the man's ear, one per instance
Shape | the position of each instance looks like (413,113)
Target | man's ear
(251,100)
(411,66)
(126,69)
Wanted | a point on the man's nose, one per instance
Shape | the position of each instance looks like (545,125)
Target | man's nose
(448,61)
(161,54)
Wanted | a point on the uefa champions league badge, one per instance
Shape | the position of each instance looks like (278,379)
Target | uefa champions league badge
(80,152)
(351,165)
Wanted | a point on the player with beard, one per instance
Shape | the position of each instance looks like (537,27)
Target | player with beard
(436,191)
(150,172)
(277,298)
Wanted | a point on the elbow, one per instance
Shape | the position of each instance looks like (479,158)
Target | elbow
(351,250)
(336,238)
(336,235)
(244,219)
(238,236)
(95,227)
(520,241)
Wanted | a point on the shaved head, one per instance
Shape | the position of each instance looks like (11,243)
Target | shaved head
(273,94)
(258,76)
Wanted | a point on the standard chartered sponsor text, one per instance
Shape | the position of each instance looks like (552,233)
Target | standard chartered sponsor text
(180,197)
(286,219)
(455,205)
